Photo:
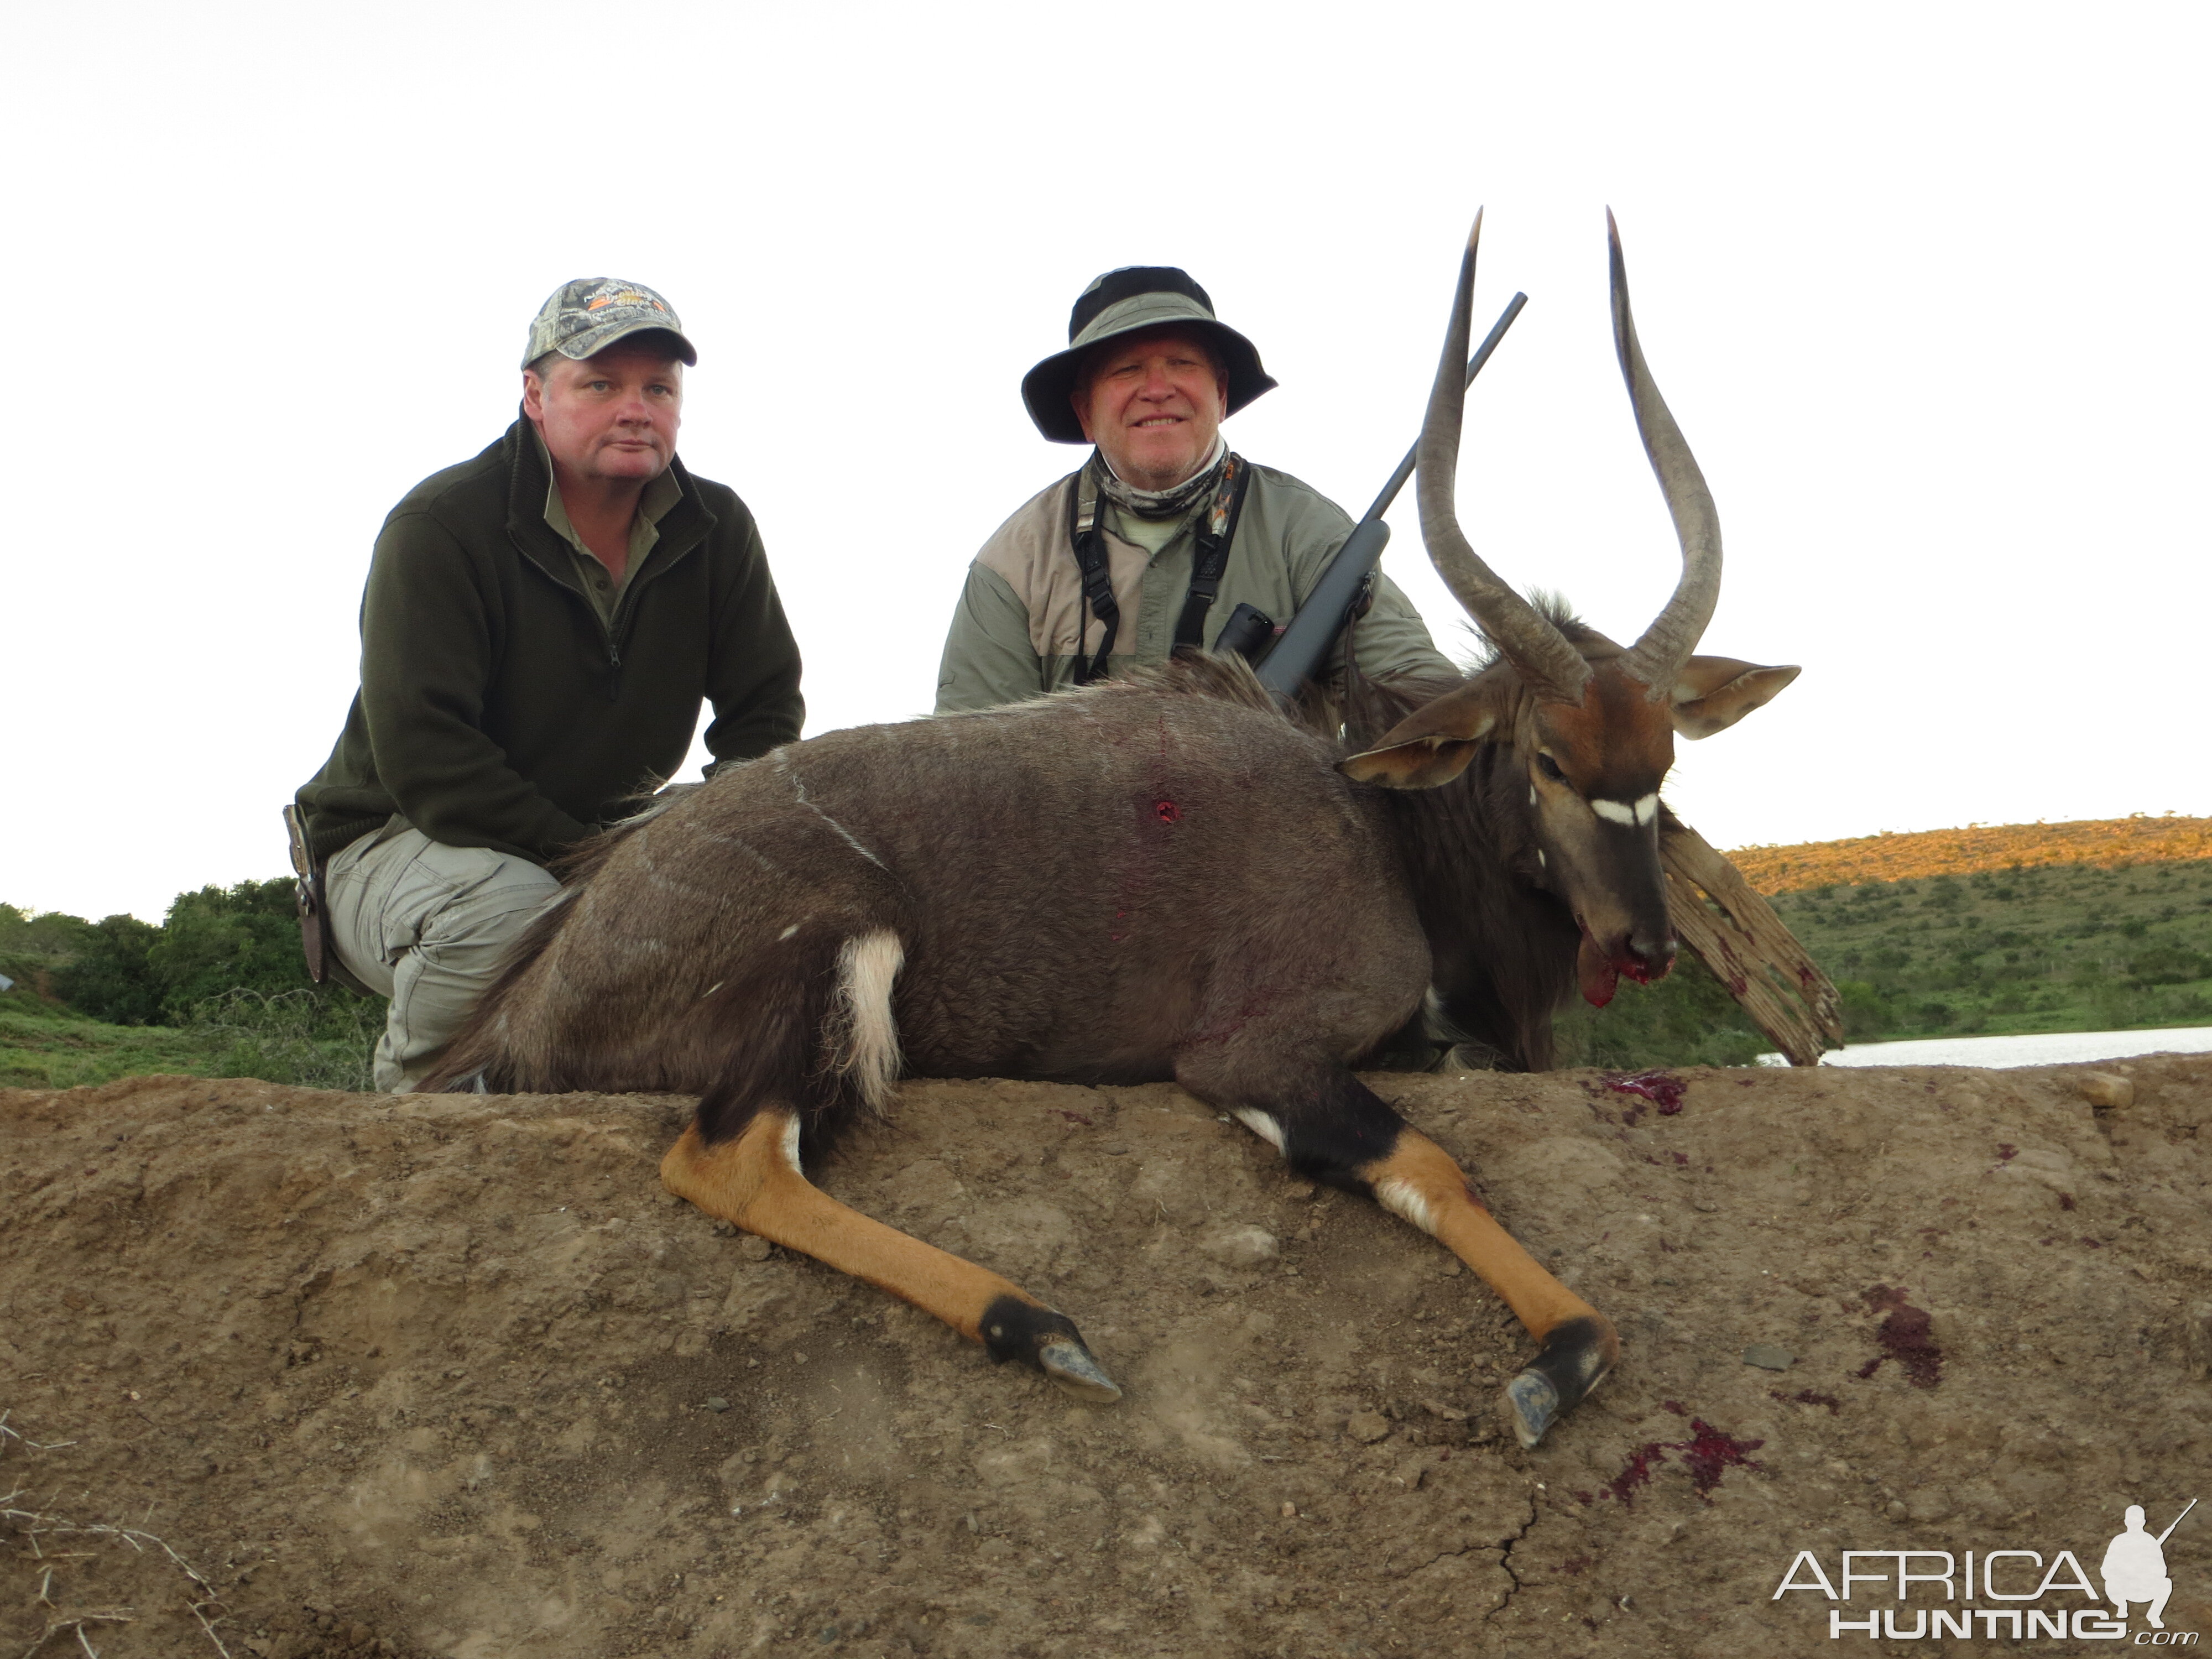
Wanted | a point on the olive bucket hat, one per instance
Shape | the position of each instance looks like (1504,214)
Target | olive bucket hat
(1122,302)
(590,314)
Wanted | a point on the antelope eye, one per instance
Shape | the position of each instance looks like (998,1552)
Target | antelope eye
(1549,767)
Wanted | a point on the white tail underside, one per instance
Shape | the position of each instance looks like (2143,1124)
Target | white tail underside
(864,1041)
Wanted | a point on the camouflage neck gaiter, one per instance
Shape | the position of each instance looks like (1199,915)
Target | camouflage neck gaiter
(1161,503)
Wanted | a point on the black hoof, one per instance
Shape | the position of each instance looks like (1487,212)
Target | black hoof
(1014,1329)
(1574,1357)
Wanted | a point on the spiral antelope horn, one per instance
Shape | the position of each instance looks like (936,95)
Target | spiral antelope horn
(1553,669)
(1656,658)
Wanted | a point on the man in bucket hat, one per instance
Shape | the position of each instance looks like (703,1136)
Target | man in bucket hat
(1163,534)
(540,627)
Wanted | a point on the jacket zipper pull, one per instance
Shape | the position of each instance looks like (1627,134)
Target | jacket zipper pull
(614,670)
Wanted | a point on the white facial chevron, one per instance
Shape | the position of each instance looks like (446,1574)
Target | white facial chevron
(1617,811)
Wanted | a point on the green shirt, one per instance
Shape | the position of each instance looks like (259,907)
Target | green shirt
(600,585)
(1153,535)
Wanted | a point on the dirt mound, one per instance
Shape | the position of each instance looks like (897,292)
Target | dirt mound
(343,1375)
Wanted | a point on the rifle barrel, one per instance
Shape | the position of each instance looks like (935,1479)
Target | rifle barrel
(2177,1520)
(1310,634)
(1473,368)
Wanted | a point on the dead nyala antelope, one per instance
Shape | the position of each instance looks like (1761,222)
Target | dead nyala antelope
(1162,877)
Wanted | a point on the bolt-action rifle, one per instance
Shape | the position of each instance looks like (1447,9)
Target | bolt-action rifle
(1306,639)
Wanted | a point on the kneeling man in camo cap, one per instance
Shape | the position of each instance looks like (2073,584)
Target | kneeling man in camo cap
(1160,537)
(540,627)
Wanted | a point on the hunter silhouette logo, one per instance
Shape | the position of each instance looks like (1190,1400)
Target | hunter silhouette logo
(2133,1568)
(2027,1597)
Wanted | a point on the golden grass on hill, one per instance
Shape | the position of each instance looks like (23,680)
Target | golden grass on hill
(2103,841)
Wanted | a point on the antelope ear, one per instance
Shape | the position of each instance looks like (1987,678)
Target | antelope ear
(1711,694)
(1431,745)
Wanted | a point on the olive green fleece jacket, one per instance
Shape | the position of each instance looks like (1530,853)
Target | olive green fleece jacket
(497,709)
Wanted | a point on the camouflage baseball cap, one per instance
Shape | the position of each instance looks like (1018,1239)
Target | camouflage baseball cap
(590,314)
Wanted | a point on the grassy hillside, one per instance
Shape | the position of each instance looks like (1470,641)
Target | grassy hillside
(2062,948)
(2085,926)
(218,990)
(1978,849)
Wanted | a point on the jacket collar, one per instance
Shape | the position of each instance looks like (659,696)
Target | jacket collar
(683,527)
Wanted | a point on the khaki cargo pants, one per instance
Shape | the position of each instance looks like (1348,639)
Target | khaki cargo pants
(426,925)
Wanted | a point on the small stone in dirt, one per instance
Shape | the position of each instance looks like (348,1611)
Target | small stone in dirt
(716,1403)
(1289,1510)
(1240,1247)
(1367,1428)
(753,1248)
(1767,1357)
(2105,1089)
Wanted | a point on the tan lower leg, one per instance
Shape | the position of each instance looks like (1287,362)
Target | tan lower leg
(1419,1181)
(754,1181)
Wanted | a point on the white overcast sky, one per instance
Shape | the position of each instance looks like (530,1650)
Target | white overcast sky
(1922,283)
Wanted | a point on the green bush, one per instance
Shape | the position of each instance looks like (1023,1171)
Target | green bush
(291,1036)
(223,939)
(1687,1019)
(224,970)
(111,977)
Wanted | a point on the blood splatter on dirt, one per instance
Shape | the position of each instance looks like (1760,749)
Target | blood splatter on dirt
(1708,1455)
(1906,1336)
(2007,1152)
(1637,1471)
(1712,1454)
(1658,1087)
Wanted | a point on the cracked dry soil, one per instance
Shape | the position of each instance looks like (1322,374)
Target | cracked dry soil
(450,1375)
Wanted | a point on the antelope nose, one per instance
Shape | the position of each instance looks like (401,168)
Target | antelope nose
(1653,949)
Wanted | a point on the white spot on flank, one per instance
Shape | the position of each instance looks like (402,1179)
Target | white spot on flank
(786,933)
(864,1043)
(1647,809)
(1402,1198)
(1614,811)
(1261,1124)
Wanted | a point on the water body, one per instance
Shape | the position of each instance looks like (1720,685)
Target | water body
(2043,1048)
